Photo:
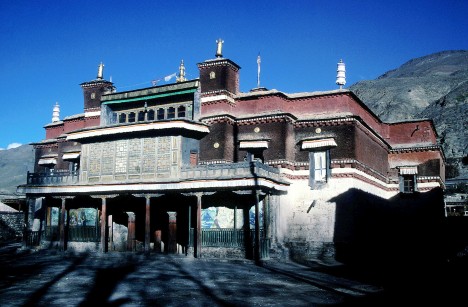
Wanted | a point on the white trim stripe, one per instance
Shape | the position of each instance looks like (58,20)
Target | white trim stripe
(71,156)
(47,161)
(308,144)
(408,170)
(173,186)
(217,98)
(253,144)
(137,128)
(94,113)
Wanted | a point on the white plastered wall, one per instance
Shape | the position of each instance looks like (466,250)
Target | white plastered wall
(307,215)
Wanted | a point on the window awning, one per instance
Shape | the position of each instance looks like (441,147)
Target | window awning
(71,156)
(319,143)
(253,144)
(47,161)
(408,170)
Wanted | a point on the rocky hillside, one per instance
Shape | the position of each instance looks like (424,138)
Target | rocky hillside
(14,165)
(434,86)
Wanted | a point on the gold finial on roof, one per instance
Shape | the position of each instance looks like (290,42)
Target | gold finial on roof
(219,49)
(181,77)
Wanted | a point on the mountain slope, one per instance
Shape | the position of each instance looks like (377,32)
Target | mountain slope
(14,165)
(434,86)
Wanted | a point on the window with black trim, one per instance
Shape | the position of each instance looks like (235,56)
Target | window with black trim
(181,111)
(408,183)
(141,116)
(171,113)
(122,118)
(150,115)
(160,114)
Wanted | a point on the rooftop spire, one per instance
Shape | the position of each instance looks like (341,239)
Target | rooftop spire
(341,74)
(258,70)
(219,49)
(181,77)
(56,113)
(100,71)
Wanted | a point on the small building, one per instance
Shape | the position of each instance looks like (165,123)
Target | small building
(200,168)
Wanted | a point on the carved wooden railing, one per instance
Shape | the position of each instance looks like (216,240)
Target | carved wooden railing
(254,169)
(75,233)
(230,170)
(223,237)
(53,177)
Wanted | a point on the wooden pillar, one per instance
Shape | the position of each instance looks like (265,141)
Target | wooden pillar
(246,230)
(62,225)
(198,230)
(148,220)
(42,221)
(157,241)
(257,230)
(131,244)
(198,236)
(266,216)
(103,225)
(67,229)
(147,224)
(234,239)
(172,234)
(110,221)
(26,222)
(189,226)
(98,222)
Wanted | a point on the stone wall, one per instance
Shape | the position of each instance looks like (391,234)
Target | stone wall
(11,225)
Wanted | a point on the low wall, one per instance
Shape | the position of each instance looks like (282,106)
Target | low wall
(11,225)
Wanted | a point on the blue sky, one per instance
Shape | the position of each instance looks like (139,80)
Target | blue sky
(49,47)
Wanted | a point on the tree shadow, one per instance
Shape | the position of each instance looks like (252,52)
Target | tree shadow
(183,274)
(35,297)
(105,282)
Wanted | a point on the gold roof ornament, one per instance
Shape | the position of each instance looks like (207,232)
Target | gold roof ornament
(219,49)
(181,77)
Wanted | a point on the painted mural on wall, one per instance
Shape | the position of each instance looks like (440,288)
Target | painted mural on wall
(78,217)
(222,217)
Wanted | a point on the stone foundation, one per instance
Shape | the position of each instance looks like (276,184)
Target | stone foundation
(223,252)
(306,251)
(81,247)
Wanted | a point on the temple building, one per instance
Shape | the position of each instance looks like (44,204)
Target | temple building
(200,168)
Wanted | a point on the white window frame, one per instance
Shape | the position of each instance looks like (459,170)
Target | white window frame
(319,160)
(408,174)
(319,167)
